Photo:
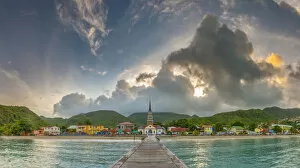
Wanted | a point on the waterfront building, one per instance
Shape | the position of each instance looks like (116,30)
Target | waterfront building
(54,130)
(258,130)
(179,131)
(126,125)
(38,132)
(88,129)
(208,129)
(80,128)
(169,128)
(284,128)
(236,130)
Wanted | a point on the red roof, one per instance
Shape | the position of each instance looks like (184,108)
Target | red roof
(179,129)
(126,123)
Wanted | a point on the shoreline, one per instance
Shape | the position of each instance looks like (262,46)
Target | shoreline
(184,138)
(163,138)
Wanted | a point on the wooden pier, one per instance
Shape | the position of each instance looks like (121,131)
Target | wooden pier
(149,154)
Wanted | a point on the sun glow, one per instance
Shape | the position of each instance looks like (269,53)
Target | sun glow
(199,92)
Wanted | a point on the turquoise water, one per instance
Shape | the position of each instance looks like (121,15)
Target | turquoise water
(251,153)
(61,153)
(257,153)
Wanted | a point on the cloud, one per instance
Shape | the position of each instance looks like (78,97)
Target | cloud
(280,18)
(223,59)
(84,68)
(219,61)
(275,60)
(294,70)
(74,103)
(87,18)
(142,77)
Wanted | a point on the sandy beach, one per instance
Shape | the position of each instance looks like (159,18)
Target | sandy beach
(139,138)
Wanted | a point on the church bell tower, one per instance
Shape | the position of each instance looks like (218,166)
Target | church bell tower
(150,116)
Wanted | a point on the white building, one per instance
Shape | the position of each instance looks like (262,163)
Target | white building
(52,130)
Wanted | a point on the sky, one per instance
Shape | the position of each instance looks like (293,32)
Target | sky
(66,57)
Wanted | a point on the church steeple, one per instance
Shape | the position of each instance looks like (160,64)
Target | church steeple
(149,116)
(150,105)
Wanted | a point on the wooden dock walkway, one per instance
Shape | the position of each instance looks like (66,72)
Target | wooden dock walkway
(149,154)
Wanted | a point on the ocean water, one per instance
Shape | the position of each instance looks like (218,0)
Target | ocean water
(249,153)
(61,153)
(246,153)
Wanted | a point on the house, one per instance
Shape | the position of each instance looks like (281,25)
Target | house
(258,130)
(261,130)
(160,130)
(54,130)
(38,132)
(285,128)
(88,129)
(179,130)
(126,125)
(208,129)
(80,128)
(169,128)
(236,130)
(72,128)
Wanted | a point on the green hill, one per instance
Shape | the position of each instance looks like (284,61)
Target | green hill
(163,117)
(283,113)
(246,117)
(104,117)
(10,114)
(55,121)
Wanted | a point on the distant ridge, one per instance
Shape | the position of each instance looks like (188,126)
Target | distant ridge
(269,114)
(108,118)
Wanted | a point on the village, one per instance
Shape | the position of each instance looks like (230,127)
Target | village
(131,129)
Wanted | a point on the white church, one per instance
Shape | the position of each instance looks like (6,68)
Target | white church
(150,128)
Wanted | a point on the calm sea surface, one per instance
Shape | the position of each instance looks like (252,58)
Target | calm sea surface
(251,153)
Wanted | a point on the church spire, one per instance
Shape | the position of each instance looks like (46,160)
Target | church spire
(149,116)
(150,105)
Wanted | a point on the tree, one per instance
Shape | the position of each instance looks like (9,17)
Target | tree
(277,129)
(252,126)
(192,127)
(196,132)
(294,130)
(25,126)
(219,127)
(237,123)
(87,122)
(158,123)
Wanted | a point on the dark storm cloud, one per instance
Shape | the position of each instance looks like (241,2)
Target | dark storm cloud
(142,77)
(223,58)
(294,71)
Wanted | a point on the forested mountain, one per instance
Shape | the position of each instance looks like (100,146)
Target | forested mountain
(11,114)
